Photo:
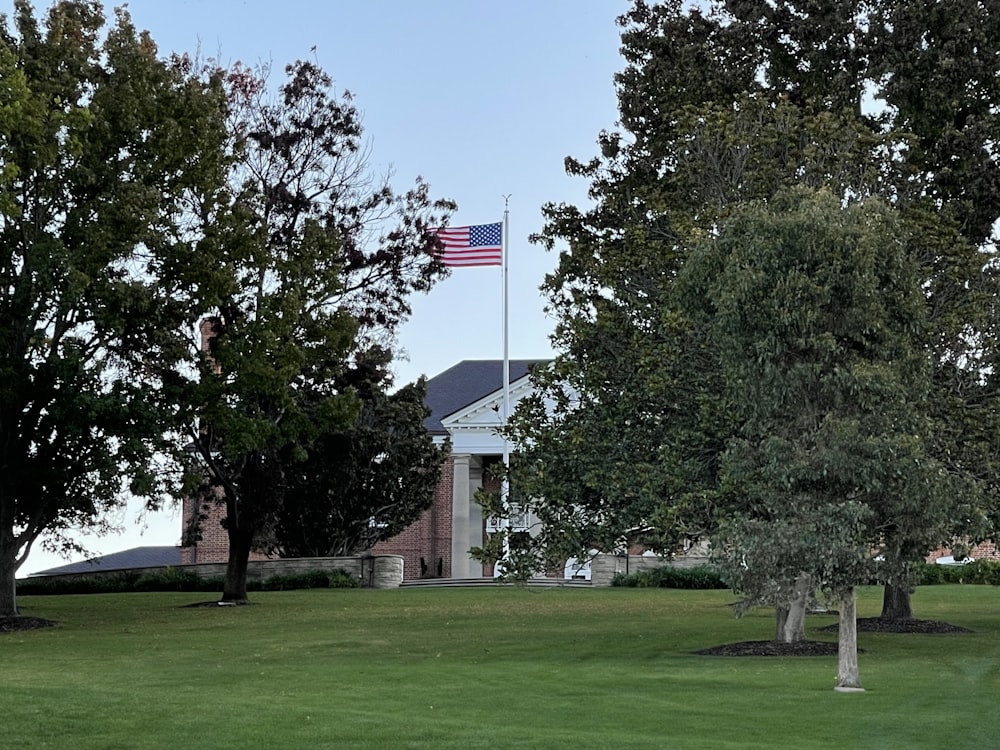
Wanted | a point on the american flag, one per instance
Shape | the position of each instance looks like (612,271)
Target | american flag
(477,245)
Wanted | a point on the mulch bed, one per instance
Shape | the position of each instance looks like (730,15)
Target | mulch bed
(772,648)
(826,648)
(20,623)
(878,625)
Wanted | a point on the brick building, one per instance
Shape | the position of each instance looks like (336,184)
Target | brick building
(465,403)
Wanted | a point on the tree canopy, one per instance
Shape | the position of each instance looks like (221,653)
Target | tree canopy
(367,482)
(102,147)
(636,428)
(322,256)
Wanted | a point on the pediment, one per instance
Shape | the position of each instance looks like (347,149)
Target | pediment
(485,415)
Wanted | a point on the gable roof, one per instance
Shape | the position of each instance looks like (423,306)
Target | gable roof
(465,383)
(137,557)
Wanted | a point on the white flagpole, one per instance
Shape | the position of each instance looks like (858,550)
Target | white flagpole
(505,245)
(504,483)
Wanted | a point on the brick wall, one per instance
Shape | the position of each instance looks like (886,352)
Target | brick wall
(984,551)
(213,547)
(428,539)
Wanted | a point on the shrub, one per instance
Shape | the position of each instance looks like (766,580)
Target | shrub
(341,579)
(670,577)
(94,584)
(180,579)
(313,579)
(171,579)
(928,574)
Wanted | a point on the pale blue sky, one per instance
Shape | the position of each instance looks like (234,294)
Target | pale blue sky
(481,99)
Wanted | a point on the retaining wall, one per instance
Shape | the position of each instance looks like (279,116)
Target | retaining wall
(603,568)
(372,571)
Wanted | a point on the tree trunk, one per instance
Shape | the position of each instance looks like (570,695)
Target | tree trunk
(896,603)
(8,585)
(848,678)
(790,626)
(234,586)
(780,618)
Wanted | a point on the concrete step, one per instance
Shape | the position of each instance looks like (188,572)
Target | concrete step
(474,582)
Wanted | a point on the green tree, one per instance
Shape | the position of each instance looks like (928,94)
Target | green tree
(818,316)
(323,256)
(367,482)
(732,105)
(102,148)
(939,72)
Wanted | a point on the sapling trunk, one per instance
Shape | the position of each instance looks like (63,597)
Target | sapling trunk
(848,677)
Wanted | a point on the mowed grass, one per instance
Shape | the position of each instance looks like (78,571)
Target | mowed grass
(483,668)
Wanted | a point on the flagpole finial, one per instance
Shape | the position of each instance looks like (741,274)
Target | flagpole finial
(506,201)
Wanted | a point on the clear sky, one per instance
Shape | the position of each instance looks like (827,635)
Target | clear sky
(481,99)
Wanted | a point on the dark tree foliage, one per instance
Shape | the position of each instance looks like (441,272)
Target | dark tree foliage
(323,256)
(103,146)
(367,482)
(726,103)
(828,478)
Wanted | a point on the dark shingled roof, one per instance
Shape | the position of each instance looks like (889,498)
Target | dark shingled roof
(466,383)
(137,557)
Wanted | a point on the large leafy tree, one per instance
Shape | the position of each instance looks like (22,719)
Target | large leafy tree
(365,483)
(103,146)
(323,256)
(818,315)
(728,105)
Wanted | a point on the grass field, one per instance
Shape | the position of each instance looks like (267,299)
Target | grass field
(483,668)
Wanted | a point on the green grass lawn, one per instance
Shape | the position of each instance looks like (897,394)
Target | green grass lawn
(483,668)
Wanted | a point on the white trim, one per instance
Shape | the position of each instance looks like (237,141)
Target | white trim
(489,405)
(473,428)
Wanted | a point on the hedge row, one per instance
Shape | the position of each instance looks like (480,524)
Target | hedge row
(706,577)
(669,577)
(980,571)
(178,579)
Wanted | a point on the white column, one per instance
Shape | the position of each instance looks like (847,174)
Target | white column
(475,516)
(460,502)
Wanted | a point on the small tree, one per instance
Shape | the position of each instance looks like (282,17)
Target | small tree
(102,149)
(792,554)
(818,317)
